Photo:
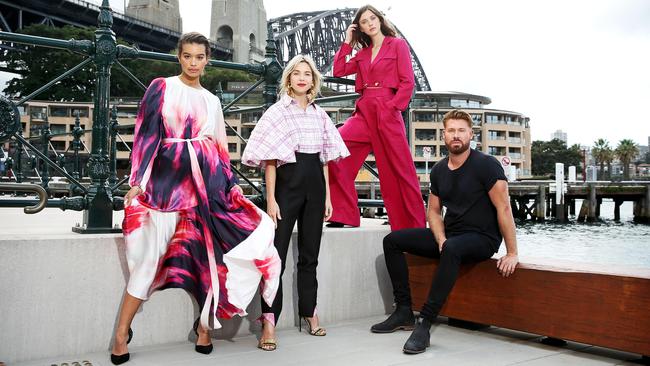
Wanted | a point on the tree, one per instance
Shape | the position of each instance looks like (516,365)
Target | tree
(626,151)
(603,154)
(544,155)
(44,64)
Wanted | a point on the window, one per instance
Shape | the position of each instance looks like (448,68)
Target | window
(250,117)
(37,112)
(476,119)
(83,112)
(496,150)
(246,132)
(230,132)
(232,147)
(458,103)
(496,135)
(425,135)
(59,146)
(59,111)
(57,128)
(423,117)
(124,146)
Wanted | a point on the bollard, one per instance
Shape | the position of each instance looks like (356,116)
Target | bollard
(559,192)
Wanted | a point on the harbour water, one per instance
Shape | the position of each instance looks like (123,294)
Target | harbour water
(622,243)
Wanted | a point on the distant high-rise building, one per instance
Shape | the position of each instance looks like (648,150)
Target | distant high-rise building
(560,135)
(164,13)
(241,26)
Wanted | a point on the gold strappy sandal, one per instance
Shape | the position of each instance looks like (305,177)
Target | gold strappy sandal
(318,331)
(267,344)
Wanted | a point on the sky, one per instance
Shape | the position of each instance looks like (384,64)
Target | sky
(582,66)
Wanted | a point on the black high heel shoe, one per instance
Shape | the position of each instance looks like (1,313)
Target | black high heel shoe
(120,359)
(207,349)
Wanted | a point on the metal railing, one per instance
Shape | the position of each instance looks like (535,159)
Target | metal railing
(98,196)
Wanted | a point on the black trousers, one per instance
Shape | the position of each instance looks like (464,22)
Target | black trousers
(467,247)
(300,193)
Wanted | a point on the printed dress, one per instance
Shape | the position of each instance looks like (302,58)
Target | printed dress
(189,229)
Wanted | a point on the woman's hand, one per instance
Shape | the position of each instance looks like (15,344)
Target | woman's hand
(273,210)
(237,188)
(348,33)
(134,192)
(328,208)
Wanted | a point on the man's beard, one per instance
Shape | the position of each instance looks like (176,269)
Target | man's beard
(457,149)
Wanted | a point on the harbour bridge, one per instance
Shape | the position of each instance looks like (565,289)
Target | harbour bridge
(317,33)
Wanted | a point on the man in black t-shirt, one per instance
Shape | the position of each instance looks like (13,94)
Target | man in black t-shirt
(474,191)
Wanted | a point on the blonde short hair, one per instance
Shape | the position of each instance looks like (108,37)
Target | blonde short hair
(315,74)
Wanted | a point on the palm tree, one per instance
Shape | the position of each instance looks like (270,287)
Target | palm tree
(609,156)
(601,151)
(626,151)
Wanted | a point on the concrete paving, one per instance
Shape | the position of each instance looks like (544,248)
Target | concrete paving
(351,343)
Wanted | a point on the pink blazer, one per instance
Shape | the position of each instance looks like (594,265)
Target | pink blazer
(391,68)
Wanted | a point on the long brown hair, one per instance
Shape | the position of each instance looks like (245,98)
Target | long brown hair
(362,39)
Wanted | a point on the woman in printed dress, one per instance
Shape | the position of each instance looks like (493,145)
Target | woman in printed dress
(187,224)
(294,140)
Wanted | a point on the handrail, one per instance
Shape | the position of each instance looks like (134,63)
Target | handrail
(28,187)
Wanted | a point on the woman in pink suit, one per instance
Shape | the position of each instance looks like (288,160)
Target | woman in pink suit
(384,78)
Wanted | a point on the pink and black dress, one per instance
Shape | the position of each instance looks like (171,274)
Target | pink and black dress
(189,229)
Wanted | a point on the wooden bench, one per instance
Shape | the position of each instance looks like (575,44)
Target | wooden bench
(594,304)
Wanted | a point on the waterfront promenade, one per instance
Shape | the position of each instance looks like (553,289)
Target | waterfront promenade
(61,305)
(351,343)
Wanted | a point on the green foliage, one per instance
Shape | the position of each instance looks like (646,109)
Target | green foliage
(603,154)
(626,151)
(39,65)
(544,155)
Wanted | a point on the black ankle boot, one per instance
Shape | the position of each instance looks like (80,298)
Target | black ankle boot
(419,339)
(401,318)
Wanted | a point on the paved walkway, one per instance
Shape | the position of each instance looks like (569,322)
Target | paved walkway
(351,343)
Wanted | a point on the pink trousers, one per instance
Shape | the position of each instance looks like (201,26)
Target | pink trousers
(376,128)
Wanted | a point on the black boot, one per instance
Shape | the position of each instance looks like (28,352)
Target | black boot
(401,318)
(419,339)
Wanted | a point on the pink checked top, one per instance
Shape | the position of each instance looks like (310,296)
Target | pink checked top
(286,128)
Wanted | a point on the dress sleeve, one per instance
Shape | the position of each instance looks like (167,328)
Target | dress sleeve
(273,138)
(333,145)
(405,75)
(148,130)
(222,144)
(341,66)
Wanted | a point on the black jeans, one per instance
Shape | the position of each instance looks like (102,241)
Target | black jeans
(463,248)
(300,194)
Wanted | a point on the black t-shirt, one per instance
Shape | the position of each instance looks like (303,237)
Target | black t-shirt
(464,193)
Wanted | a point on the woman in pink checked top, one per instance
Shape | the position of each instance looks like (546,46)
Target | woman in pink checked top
(186,223)
(384,78)
(294,140)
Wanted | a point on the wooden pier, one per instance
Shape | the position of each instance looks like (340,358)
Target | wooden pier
(536,200)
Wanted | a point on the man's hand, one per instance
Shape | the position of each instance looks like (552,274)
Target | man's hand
(507,264)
